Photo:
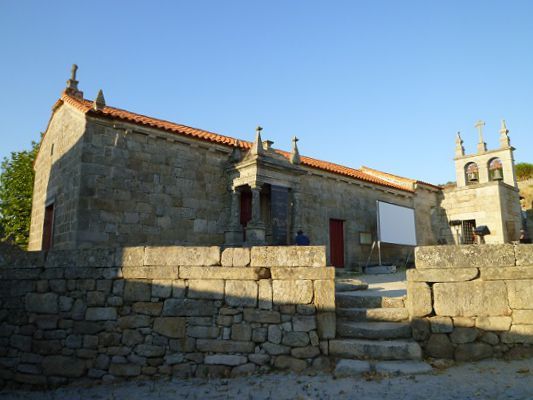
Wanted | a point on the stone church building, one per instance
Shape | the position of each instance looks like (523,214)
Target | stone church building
(110,177)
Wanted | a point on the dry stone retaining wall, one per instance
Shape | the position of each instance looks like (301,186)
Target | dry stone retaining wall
(472,302)
(105,314)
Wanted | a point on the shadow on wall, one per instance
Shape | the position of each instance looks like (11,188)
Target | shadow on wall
(464,339)
(104,314)
(472,302)
(108,187)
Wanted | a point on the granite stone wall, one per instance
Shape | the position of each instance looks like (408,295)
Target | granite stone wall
(526,193)
(57,178)
(326,197)
(148,187)
(107,314)
(472,302)
(494,204)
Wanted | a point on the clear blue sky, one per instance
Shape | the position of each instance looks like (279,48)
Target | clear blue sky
(385,84)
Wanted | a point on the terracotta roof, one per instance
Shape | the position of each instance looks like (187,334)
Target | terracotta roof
(408,182)
(86,107)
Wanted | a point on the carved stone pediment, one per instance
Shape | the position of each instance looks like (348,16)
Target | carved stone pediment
(268,166)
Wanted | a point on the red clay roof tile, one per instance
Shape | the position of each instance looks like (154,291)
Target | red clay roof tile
(86,107)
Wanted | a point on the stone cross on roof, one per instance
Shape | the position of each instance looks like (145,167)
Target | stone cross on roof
(72,84)
(73,72)
(295,154)
(481,145)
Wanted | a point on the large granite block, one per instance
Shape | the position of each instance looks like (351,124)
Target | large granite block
(292,292)
(467,299)
(442,275)
(288,256)
(490,255)
(179,255)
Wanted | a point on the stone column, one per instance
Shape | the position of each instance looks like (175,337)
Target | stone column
(235,208)
(256,206)
(255,231)
(296,213)
(233,235)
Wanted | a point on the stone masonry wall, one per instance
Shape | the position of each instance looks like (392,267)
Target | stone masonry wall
(146,186)
(493,204)
(106,314)
(472,302)
(57,178)
(526,191)
(325,197)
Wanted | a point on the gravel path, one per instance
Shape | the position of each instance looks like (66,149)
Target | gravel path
(483,380)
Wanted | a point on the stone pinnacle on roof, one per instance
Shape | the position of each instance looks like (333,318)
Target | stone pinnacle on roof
(295,154)
(459,148)
(72,84)
(505,141)
(99,102)
(257,147)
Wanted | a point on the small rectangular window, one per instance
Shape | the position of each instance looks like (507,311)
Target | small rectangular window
(468,231)
(365,238)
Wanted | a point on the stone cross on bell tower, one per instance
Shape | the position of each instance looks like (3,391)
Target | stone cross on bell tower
(481,145)
(485,165)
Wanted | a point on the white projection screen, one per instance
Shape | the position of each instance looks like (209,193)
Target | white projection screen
(396,224)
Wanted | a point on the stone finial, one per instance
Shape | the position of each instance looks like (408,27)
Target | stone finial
(459,148)
(99,102)
(481,145)
(267,145)
(257,147)
(505,141)
(72,83)
(295,153)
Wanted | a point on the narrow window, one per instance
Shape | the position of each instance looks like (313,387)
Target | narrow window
(48,227)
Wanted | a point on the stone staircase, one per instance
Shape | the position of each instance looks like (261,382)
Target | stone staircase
(373,331)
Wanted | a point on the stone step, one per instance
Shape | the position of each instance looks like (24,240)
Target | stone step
(363,299)
(373,314)
(405,367)
(373,330)
(351,368)
(380,269)
(341,273)
(349,285)
(375,349)
(347,368)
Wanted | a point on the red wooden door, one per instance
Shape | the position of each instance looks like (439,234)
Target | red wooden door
(246,211)
(246,208)
(336,242)
(48,227)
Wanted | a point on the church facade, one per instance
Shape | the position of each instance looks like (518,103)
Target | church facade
(109,177)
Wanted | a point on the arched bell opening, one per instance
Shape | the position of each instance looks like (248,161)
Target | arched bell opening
(471,173)
(495,169)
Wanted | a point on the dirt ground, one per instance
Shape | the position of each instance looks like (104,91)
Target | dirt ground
(489,379)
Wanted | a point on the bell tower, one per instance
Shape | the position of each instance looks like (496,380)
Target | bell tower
(485,165)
